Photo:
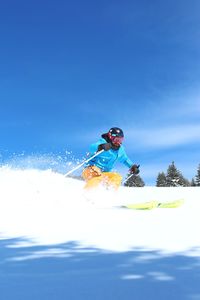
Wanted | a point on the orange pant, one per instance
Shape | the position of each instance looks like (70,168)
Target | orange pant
(94,177)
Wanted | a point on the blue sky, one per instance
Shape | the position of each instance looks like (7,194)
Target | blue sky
(71,70)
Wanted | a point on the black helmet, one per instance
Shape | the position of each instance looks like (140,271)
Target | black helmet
(115,131)
(116,136)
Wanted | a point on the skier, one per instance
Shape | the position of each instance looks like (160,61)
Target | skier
(98,170)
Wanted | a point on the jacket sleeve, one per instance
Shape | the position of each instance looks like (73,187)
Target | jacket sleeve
(128,163)
(125,159)
(94,147)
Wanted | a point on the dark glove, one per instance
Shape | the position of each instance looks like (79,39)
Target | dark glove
(134,169)
(105,147)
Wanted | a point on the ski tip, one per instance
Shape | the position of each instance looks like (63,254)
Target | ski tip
(171,204)
(155,204)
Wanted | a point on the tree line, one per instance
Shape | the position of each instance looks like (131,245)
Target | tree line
(173,177)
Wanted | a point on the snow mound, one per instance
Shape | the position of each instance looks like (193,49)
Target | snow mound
(45,208)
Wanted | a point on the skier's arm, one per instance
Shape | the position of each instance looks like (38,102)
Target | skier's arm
(133,168)
(94,148)
(100,145)
(126,160)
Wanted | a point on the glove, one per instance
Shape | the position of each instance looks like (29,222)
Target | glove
(105,147)
(134,169)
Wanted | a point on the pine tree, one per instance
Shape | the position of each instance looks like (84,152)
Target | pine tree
(197,177)
(183,181)
(193,182)
(174,177)
(134,181)
(161,179)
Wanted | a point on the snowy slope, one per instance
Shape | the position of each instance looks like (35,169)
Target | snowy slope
(45,208)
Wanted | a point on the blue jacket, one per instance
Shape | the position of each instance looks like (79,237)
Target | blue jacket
(107,159)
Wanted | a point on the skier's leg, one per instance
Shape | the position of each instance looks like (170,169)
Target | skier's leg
(93,182)
(93,176)
(112,179)
(90,172)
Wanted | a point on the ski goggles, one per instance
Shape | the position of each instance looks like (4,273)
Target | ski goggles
(117,139)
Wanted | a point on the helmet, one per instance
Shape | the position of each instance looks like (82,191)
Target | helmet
(116,136)
(115,131)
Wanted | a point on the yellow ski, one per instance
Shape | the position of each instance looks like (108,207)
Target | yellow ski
(155,204)
(172,204)
(143,206)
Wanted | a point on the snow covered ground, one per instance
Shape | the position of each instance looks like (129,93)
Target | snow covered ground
(59,242)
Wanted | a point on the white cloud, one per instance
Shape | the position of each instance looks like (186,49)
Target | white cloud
(170,122)
(164,137)
(187,106)
(161,276)
(132,277)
